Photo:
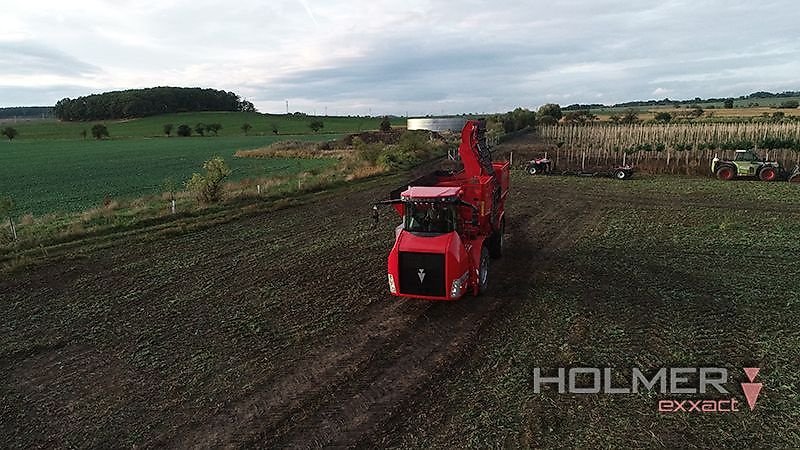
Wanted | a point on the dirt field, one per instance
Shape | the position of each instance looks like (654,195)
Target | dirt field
(276,329)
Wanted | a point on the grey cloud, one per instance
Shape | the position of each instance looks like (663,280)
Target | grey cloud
(37,96)
(681,48)
(466,56)
(31,58)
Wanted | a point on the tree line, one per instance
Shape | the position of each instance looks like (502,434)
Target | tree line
(670,102)
(135,103)
(26,112)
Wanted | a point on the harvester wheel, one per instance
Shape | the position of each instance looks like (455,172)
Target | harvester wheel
(768,174)
(495,241)
(483,271)
(726,173)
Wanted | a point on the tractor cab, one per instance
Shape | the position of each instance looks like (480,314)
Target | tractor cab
(747,162)
(746,156)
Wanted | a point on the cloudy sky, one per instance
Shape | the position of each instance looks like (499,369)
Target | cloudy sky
(390,57)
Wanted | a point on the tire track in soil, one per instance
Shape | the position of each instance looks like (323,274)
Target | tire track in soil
(342,394)
(554,231)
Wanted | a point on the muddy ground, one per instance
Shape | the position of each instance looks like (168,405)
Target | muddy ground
(276,329)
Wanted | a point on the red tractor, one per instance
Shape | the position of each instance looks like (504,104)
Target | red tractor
(453,223)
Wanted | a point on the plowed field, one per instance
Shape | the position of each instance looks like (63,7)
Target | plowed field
(275,329)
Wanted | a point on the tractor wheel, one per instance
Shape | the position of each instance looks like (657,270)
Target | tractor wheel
(532,169)
(768,174)
(620,175)
(483,271)
(726,173)
(496,241)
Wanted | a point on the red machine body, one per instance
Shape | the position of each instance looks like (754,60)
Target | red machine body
(453,222)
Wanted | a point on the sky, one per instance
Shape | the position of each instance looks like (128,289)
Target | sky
(413,57)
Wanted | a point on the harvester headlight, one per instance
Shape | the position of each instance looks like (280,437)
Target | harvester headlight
(392,286)
(457,288)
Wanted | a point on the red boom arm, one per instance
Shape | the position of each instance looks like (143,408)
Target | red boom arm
(476,163)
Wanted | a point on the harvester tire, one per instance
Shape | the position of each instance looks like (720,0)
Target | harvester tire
(483,271)
(495,241)
(768,174)
(726,173)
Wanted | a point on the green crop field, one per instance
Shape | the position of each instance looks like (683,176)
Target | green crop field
(231,125)
(49,167)
(44,176)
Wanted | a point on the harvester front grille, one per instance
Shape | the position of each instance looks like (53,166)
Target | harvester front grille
(422,274)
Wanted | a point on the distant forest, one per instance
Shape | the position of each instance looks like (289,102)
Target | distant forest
(668,102)
(135,103)
(27,112)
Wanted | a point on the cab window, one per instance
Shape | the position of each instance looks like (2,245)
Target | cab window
(429,218)
(745,156)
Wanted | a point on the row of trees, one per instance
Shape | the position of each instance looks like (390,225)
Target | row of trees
(135,103)
(727,102)
(512,121)
(185,130)
(26,112)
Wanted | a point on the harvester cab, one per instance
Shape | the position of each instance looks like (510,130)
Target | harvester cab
(452,224)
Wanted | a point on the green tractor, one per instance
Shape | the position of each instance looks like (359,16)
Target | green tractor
(747,164)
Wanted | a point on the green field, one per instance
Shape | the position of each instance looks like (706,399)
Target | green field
(50,168)
(231,125)
(45,176)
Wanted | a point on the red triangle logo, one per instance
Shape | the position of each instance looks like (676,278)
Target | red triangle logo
(751,392)
(752,373)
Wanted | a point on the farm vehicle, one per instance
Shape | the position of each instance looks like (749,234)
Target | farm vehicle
(544,166)
(452,224)
(794,175)
(746,163)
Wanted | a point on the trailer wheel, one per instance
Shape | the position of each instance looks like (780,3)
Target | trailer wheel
(483,271)
(767,174)
(726,173)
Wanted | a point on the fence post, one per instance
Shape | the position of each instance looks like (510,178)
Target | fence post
(173,206)
(259,189)
(13,228)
